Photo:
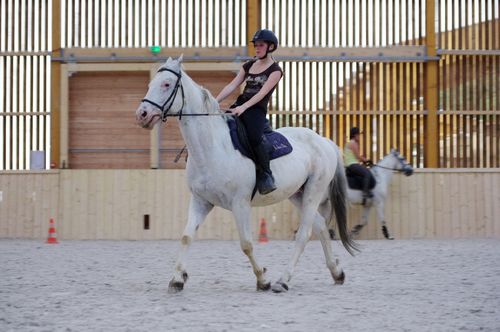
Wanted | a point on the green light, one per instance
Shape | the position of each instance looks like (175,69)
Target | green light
(155,49)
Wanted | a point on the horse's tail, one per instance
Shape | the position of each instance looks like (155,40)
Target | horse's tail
(338,199)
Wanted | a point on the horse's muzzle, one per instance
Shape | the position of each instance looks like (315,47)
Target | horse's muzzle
(146,119)
(408,170)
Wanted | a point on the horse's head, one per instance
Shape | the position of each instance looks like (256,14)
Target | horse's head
(400,163)
(162,98)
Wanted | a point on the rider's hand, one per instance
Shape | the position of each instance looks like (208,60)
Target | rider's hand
(238,110)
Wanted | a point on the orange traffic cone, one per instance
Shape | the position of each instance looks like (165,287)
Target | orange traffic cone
(263,231)
(52,233)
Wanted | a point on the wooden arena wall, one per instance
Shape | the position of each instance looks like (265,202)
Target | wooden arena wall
(115,204)
(420,75)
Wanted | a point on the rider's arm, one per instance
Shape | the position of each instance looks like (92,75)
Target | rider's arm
(235,83)
(271,82)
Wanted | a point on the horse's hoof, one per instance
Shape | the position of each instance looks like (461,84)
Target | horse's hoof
(263,286)
(280,287)
(385,231)
(355,230)
(340,279)
(184,276)
(175,286)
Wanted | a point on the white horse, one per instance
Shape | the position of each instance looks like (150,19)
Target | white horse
(382,172)
(311,176)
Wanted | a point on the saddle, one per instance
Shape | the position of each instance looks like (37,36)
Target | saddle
(356,182)
(277,144)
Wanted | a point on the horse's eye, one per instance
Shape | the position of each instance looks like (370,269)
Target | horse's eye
(166,85)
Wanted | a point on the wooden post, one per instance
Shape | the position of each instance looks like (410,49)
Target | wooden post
(155,135)
(64,117)
(55,108)
(431,149)
(253,20)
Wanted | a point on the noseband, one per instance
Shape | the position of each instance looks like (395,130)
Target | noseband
(165,108)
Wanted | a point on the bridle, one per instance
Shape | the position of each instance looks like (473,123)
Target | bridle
(405,168)
(167,105)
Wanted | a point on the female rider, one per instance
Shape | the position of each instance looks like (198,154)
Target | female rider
(354,162)
(261,76)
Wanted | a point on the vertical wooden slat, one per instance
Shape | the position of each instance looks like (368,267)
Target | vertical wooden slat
(444,162)
(253,19)
(431,93)
(392,101)
(496,141)
(55,91)
(63,161)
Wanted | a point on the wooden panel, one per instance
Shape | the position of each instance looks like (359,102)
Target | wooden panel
(111,204)
(29,200)
(102,128)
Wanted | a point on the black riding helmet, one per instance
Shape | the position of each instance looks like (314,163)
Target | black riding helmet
(354,131)
(268,36)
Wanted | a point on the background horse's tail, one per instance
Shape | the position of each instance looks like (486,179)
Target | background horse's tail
(338,199)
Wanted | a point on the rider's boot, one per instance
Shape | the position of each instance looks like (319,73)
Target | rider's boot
(367,194)
(265,179)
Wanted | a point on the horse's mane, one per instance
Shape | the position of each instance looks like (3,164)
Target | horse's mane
(210,103)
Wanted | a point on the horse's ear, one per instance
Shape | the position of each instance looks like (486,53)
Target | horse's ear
(180,58)
(168,60)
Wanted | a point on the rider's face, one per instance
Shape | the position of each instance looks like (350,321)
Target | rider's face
(260,48)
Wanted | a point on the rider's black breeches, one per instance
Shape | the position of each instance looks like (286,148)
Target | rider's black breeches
(254,120)
(360,170)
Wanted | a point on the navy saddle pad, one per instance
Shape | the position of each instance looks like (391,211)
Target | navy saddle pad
(277,144)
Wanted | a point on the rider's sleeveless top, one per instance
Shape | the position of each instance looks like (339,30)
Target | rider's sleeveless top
(255,82)
(349,157)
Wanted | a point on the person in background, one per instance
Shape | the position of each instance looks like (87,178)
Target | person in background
(355,162)
(261,76)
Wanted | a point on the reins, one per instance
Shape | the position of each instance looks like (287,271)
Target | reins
(404,169)
(391,169)
(180,114)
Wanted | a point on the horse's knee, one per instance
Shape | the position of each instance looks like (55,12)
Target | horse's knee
(186,240)
(247,247)
(303,234)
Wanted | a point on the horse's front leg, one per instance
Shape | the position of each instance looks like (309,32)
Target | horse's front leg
(198,211)
(242,215)
(381,219)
